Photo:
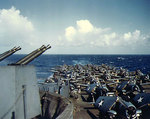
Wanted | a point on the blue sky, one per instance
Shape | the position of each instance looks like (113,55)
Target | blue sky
(76,26)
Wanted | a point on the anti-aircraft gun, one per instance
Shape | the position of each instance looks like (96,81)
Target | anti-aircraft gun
(9,52)
(19,101)
(28,58)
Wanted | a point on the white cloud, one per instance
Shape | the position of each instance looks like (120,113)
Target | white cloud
(84,26)
(136,34)
(127,36)
(86,34)
(70,32)
(17,30)
(12,19)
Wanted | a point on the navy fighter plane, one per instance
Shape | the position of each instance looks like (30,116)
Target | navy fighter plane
(113,107)
(142,100)
(127,90)
(95,90)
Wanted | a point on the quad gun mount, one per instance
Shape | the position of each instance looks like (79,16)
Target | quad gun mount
(9,52)
(28,58)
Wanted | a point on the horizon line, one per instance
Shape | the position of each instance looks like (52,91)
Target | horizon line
(81,54)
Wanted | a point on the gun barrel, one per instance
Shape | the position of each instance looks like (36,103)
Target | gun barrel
(27,59)
(9,52)
(35,55)
(29,55)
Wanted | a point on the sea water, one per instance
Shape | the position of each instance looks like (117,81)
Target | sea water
(44,63)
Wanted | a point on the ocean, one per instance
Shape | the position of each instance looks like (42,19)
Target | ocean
(44,63)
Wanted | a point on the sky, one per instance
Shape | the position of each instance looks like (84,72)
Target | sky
(76,26)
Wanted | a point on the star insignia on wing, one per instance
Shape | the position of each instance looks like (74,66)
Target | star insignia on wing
(140,99)
(101,103)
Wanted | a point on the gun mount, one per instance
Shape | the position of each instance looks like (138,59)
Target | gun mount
(9,52)
(31,56)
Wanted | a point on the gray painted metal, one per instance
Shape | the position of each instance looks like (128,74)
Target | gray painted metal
(13,94)
(63,90)
(50,87)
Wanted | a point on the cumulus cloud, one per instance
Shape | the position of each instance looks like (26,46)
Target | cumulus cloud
(135,35)
(127,36)
(16,30)
(86,34)
(70,32)
(84,26)
(14,20)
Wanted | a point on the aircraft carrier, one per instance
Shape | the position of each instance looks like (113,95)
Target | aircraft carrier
(87,84)
(73,92)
